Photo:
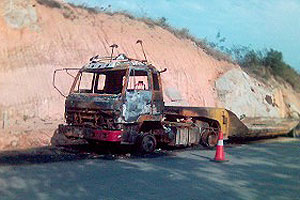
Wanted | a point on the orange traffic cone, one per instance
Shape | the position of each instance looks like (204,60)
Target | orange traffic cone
(220,154)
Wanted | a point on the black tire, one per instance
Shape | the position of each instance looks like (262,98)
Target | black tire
(212,140)
(209,139)
(146,143)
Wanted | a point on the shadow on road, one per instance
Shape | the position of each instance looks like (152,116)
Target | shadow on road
(37,156)
(256,171)
(53,154)
(63,153)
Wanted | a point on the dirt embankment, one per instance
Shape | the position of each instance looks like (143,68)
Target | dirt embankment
(36,39)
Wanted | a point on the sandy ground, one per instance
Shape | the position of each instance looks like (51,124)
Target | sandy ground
(254,171)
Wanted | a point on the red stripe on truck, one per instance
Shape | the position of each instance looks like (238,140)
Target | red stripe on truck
(108,135)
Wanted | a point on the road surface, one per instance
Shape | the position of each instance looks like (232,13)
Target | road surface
(255,171)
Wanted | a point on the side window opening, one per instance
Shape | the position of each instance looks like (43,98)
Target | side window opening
(101,82)
(85,83)
(138,80)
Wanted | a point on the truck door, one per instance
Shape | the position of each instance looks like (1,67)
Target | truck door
(138,96)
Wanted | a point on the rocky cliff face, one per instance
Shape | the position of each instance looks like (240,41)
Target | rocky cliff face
(36,39)
(248,97)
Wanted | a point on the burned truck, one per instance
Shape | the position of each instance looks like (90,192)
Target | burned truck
(120,100)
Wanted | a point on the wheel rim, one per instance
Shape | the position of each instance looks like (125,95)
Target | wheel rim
(209,139)
(212,140)
(148,144)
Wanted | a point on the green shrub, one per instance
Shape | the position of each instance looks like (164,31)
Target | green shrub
(50,3)
(267,63)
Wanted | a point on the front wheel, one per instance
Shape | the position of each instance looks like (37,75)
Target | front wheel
(147,143)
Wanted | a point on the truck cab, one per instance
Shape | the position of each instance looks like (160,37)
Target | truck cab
(119,92)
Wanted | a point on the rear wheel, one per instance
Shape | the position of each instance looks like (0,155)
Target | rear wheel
(209,139)
(208,133)
(212,140)
(147,143)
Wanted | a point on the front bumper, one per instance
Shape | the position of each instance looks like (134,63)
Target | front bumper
(91,133)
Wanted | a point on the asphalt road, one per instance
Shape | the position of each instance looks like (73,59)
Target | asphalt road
(255,171)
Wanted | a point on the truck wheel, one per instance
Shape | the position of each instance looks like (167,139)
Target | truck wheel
(209,139)
(147,143)
(212,139)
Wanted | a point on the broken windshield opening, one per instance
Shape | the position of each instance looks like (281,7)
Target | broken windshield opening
(108,82)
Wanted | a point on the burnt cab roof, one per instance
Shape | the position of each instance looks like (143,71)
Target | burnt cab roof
(120,62)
